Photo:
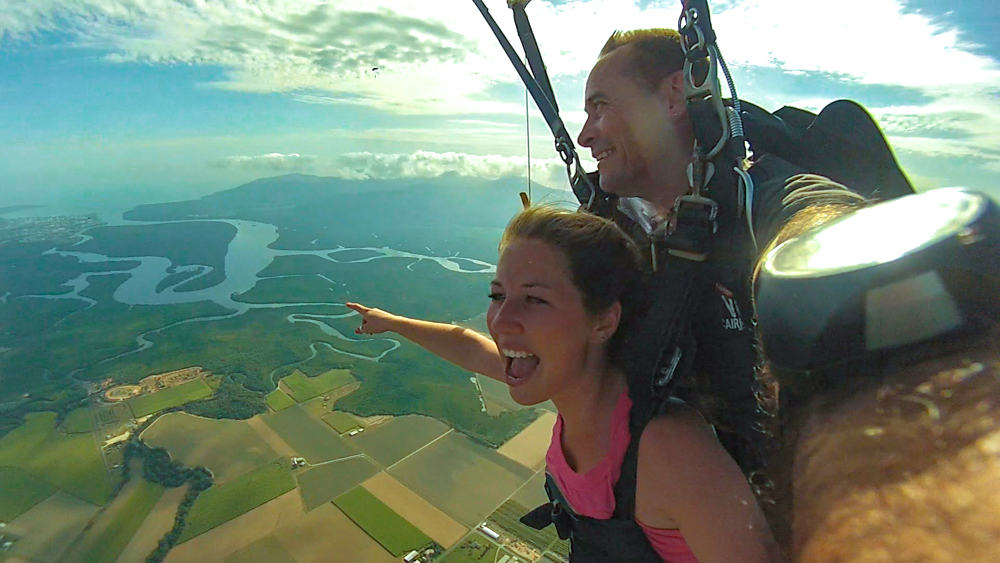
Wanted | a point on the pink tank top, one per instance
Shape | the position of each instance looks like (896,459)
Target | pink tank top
(592,493)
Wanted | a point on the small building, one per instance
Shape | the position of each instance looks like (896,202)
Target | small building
(117,439)
(298,462)
(489,532)
(411,556)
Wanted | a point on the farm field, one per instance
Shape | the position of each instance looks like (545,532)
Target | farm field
(507,518)
(79,421)
(326,531)
(269,436)
(158,522)
(169,397)
(264,550)
(19,491)
(49,527)
(111,531)
(425,516)
(303,387)
(229,448)
(323,483)
(279,400)
(236,534)
(379,521)
(71,462)
(113,415)
(342,422)
(528,447)
(315,536)
(394,440)
(221,503)
(532,493)
(464,479)
(309,437)
(477,548)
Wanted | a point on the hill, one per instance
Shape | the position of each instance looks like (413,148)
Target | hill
(449,213)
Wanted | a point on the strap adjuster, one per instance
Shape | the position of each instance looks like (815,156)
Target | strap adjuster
(689,233)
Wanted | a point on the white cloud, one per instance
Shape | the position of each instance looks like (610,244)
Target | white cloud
(870,41)
(440,58)
(271,161)
(429,59)
(425,164)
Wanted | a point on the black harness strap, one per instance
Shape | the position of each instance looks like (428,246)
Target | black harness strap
(592,539)
(531,52)
(585,189)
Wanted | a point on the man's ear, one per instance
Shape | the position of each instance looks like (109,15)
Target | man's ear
(606,324)
(671,91)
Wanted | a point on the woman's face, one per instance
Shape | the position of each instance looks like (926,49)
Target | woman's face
(538,321)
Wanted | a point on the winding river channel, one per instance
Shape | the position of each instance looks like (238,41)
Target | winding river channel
(247,255)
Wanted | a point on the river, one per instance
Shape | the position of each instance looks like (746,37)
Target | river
(247,255)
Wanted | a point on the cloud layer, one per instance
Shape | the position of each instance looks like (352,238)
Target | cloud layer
(425,164)
(270,162)
(409,57)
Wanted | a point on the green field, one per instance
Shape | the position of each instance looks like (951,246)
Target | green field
(19,491)
(342,422)
(401,436)
(380,522)
(278,400)
(79,421)
(109,545)
(229,448)
(324,483)
(169,397)
(310,438)
(446,471)
(71,462)
(113,414)
(304,387)
(221,503)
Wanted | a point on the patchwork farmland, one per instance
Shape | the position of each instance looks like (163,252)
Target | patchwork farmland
(229,448)
(402,483)
(380,522)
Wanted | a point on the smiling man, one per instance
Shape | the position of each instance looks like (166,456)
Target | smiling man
(639,131)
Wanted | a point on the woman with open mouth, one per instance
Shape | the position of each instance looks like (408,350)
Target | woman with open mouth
(565,283)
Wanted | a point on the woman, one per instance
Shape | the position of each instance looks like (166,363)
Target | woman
(563,287)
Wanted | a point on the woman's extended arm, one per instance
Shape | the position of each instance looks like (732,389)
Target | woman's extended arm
(463,347)
(686,480)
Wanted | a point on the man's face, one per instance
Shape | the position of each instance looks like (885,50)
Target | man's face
(630,131)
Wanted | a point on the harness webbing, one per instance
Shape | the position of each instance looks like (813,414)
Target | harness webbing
(537,82)
(531,52)
(541,94)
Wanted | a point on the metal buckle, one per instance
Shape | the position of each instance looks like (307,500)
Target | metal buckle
(691,202)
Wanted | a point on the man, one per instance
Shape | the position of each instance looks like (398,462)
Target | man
(640,133)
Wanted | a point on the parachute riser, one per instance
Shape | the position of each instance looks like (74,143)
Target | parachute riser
(719,152)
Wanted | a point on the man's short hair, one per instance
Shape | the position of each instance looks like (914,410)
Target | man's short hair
(656,54)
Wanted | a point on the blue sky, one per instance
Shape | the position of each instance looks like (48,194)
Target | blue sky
(153,100)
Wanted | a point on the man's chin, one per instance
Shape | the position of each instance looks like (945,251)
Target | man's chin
(615,186)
